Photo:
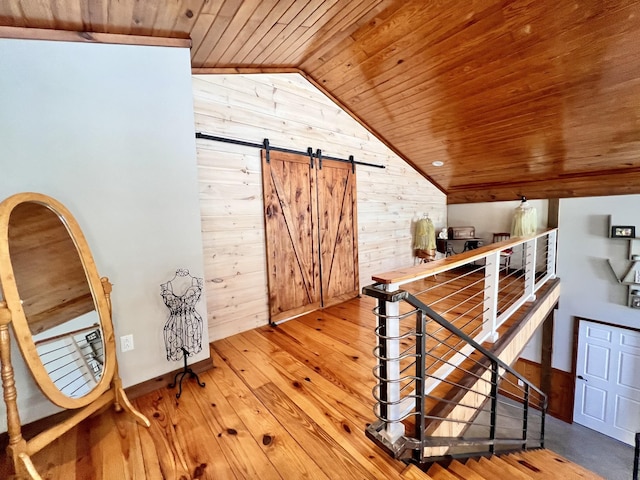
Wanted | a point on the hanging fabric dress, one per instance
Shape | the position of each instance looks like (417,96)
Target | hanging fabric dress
(525,220)
(425,239)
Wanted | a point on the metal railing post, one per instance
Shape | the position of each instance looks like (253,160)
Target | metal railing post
(394,428)
(494,405)
(382,352)
(525,419)
(421,344)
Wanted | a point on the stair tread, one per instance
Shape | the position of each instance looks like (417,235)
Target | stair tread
(551,463)
(480,469)
(527,467)
(514,473)
(489,466)
(556,462)
(465,472)
(412,472)
(438,472)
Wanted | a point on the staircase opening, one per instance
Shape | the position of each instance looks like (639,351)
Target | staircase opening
(446,344)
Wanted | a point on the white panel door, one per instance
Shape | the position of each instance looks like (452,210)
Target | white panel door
(608,380)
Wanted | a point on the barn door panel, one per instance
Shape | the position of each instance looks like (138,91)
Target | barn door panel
(338,231)
(290,201)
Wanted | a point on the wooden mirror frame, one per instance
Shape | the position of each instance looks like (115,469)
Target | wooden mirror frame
(108,390)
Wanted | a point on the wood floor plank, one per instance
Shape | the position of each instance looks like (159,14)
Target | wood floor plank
(283,402)
(62,460)
(163,434)
(342,330)
(85,466)
(352,378)
(326,451)
(150,455)
(106,450)
(241,451)
(334,410)
(287,456)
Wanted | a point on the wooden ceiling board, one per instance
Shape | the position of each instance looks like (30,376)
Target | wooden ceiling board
(517,97)
(290,53)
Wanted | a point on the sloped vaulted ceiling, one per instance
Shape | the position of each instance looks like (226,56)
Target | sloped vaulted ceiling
(516,97)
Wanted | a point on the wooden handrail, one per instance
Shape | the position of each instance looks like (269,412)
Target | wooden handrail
(417,272)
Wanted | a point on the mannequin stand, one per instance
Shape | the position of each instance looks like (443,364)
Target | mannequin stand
(185,371)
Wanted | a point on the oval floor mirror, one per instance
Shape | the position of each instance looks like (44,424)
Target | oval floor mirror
(60,311)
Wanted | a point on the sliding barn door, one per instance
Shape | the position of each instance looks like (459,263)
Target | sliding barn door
(293,266)
(311,233)
(338,232)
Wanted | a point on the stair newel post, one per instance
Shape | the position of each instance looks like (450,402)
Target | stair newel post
(382,356)
(391,390)
(525,415)
(494,405)
(421,344)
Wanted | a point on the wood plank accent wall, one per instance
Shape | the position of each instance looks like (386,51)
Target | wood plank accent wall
(561,398)
(292,113)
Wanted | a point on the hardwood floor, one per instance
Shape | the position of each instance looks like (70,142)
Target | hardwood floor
(284,402)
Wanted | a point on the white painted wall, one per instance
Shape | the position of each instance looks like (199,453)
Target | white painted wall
(108,131)
(588,287)
(291,113)
(492,217)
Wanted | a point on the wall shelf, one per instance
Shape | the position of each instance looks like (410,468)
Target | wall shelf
(631,277)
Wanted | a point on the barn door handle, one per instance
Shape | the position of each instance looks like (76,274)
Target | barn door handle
(582,378)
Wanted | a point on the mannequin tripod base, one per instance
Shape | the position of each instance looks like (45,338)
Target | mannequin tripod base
(185,371)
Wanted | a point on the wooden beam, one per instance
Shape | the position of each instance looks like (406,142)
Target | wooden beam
(242,70)
(618,183)
(553,213)
(91,37)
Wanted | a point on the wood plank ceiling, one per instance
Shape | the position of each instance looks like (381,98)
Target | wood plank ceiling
(517,97)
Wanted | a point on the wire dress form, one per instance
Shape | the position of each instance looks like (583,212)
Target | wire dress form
(183,329)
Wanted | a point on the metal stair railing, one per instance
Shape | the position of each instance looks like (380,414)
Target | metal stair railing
(481,404)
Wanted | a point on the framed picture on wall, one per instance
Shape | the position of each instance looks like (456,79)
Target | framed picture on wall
(623,231)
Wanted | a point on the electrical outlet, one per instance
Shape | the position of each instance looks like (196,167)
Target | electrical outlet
(520,383)
(126,343)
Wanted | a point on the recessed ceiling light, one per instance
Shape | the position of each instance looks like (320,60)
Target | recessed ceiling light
(437,163)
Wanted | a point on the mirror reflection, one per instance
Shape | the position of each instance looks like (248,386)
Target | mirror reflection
(56,298)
